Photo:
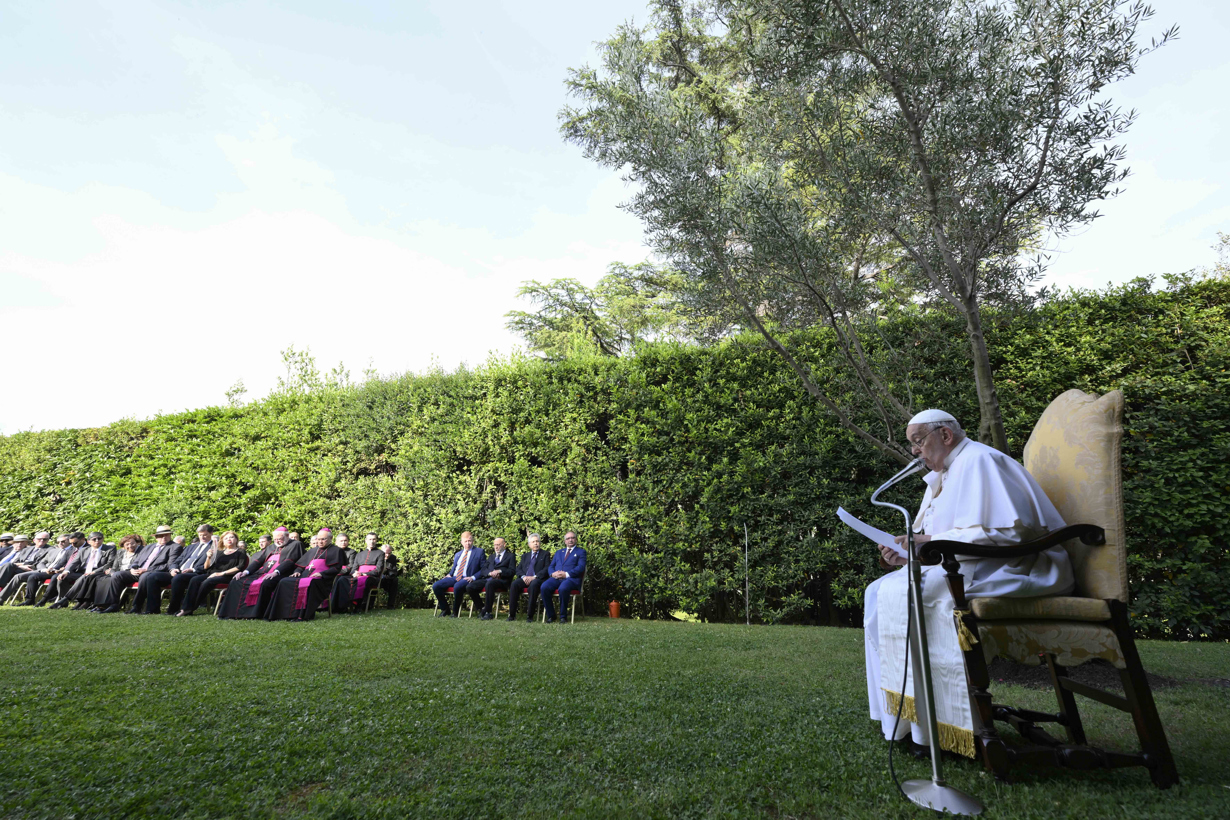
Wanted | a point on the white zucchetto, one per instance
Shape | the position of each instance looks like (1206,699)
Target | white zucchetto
(928,416)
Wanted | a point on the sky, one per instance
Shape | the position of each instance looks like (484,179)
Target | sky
(189,189)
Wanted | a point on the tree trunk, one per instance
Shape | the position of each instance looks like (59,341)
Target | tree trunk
(991,420)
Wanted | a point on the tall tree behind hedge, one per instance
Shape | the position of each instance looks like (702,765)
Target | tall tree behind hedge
(818,162)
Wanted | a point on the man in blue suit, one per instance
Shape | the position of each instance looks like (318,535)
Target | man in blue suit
(566,571)
(466,564)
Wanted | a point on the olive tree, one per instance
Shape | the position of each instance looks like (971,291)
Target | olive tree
(827,162)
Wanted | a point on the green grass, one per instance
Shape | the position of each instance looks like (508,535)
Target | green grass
(402,715)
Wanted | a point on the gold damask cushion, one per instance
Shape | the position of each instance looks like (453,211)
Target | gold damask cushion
(1072,643)
(1073,453)
(1056,607)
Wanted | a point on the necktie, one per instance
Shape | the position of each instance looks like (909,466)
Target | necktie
(152,556)
(461,565)
(89,565)
(8,558)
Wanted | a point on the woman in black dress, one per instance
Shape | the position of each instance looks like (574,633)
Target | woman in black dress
(299,595)
(248,594)
(223,563)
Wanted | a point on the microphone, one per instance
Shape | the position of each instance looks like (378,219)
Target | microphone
(915,466)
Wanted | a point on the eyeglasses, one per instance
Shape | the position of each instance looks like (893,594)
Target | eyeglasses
(919,442)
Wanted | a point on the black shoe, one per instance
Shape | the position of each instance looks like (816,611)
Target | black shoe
(132,612)
(443,614)
(511,618)
(562,620)
(550,620)
(42,603)
(108,611)
(60,604)
(24,603)
(81,605)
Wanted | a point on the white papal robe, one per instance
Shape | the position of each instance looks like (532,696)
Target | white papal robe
(981,496)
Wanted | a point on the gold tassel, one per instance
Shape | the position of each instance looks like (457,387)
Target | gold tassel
(952,738)
(965,638)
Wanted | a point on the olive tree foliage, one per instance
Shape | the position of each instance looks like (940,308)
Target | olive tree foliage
(834,162)
(630,304)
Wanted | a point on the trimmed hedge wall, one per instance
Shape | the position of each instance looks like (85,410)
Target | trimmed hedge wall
(659,460)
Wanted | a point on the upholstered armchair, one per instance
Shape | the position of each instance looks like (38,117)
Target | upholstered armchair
(1074,453)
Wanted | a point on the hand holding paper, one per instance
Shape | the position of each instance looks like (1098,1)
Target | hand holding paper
(878,536)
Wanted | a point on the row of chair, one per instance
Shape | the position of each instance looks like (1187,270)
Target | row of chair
(573,600)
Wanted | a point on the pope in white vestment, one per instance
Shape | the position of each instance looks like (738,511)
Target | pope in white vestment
(974,494)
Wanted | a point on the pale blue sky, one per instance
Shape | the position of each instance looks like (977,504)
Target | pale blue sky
(188,188)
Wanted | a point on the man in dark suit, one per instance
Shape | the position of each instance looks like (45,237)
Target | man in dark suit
(566,571)
(155,557)
(53,560)
(91,559)
(24,557)
(531,572)
(497,571)
(6,545)
(465,568)
(185,562)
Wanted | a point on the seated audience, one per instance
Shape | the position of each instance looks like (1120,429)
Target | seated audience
(299,595)
(364,569)
(388,579)
(53,561)
(225,560)
(531,572)
(154,557)
(497,572)
(89,562)
(566,571)
(24,557)
(6,545)
(465,567)
(125,557)
(189,563)
(247,596)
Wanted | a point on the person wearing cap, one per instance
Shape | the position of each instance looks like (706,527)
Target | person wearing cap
(89,562)
(248,594)
(24,558)
(155,557)
(185,564)
(53,561)
(976,494)
(300,594)
(6,545)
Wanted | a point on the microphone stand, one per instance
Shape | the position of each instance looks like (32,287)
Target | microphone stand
(932,794)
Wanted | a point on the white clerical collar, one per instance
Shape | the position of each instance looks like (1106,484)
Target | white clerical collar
(948,459)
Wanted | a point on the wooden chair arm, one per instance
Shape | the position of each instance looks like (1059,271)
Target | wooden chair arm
(935,552)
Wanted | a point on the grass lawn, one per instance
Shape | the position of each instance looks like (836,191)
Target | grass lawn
(398,714)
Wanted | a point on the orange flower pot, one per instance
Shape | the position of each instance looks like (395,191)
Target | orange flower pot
(614,609)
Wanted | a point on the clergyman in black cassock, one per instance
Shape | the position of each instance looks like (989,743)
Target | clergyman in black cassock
(356,579)
(497,571)
(388,579)
(531,572)
(300,594)
(247,596)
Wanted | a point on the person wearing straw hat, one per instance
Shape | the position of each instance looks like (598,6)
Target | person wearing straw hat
(154,557)
(976,494)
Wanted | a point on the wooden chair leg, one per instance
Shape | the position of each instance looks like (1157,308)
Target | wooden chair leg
(218,602)
(1067,702)
(1153,743)
(991,746)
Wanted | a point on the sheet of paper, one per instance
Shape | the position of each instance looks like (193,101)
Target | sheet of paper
(863,528)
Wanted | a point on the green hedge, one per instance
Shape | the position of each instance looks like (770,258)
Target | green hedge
(661,459)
